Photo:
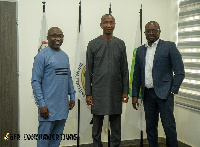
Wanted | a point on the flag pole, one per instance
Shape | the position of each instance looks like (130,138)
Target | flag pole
(110,12)
(78,137)
(141,141)
(40,48)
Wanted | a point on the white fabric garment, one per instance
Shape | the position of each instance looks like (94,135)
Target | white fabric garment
(149,64)
(79,82)
(131,114)
(43,34)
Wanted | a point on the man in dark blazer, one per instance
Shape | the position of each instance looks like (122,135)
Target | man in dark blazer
(159,71)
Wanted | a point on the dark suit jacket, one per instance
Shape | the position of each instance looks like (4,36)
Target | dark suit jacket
(167,60)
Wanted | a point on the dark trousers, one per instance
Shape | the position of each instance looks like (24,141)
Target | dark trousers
(152,106)
(115,124)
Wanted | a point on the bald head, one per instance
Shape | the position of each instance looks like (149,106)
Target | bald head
(107,16)
(108,25)
(152,32)
(54,29)
(154,23)
(55,38)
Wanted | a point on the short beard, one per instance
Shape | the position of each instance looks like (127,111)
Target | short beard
(152,41)
(108,33)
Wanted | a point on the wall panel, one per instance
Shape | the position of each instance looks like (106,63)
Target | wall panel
(8,73)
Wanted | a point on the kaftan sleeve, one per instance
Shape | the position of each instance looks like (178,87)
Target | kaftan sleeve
(125,72)
(89,70)
(37,76)
(71,90)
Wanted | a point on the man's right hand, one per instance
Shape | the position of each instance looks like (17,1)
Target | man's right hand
(89,100)
(135,102)
(44,112)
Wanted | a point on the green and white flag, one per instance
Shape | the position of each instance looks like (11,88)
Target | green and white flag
(135,117)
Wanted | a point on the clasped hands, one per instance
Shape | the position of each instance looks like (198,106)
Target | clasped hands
(89,99)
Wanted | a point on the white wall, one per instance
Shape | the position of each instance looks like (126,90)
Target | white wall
(64,14)
(187,122)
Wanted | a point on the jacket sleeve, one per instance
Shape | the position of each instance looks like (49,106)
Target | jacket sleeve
(177,67)
(136,76)
(89,70)
(37,76)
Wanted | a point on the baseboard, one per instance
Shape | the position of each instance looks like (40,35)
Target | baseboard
(128,143)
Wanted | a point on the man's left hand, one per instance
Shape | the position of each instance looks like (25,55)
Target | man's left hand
(71,104)
(125,98)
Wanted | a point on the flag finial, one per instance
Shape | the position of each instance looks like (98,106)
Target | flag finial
(110,11)
(43,6)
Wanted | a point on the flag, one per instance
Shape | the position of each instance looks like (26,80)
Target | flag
(43,37)
(79,80)
(43,34)
(135,117)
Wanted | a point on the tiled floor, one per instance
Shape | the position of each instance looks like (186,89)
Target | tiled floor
(105,145)
(145,145)
(133,144)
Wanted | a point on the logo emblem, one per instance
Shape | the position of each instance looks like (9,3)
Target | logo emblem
(83,77)
(6,136)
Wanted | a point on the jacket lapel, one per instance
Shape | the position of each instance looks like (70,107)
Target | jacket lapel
(158,50)
(143,63)
(144,57)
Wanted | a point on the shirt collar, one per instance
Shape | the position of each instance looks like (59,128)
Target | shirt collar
(154,44)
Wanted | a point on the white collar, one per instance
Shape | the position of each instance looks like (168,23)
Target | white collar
(154,44)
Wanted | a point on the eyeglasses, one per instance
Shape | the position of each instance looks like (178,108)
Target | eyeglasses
(154,31)
(57,36)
